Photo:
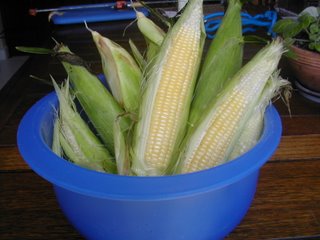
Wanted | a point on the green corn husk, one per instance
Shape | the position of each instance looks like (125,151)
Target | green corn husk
(122,142)
(137,55)
(152,52)
(149,29)
(223,60)
(78,142)
(211,142)
(96,101)
(56,146)
(122,73)
(251,132)
(153,35)
(168,93)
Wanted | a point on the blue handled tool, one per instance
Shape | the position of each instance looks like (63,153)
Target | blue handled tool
(118,10)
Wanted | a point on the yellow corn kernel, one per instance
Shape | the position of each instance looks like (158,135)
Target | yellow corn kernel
(213,139)
(171,94)
(167,97)
(213,145)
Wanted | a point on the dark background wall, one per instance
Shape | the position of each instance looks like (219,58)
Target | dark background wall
(22,29)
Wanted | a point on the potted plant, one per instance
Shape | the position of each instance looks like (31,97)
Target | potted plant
(302,33)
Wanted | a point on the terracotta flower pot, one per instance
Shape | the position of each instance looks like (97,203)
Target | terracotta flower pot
(306,68)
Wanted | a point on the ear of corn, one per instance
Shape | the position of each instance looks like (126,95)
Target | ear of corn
(122,72)
(231,27)
(213,139)
(153,35)
(223,60)
(97,102)
(149,29)
(252,130)
(137,55)
(167,96)
(77,140)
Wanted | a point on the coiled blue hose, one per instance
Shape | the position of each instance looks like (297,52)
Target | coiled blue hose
(250,23)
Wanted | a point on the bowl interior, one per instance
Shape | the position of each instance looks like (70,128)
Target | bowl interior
(34,141)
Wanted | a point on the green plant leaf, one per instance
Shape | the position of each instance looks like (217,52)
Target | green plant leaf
(313,37)
(35,50)
(290,54)
(314,46)
(314,28)
(42,80)
(287,44)
(305,20)
(281,25)
(317,47)
(287,28)
(311,45)
(255,39)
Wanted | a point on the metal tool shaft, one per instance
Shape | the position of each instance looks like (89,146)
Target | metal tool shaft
(34,11)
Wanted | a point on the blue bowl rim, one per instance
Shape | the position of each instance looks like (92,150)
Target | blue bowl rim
(69,176)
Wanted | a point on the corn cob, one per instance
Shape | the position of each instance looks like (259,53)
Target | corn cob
(166,98)
(223,60)
(122,73)
(77,140)
(211,142)
(253,128)
(97,102)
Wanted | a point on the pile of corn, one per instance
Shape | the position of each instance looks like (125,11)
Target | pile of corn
(167,112)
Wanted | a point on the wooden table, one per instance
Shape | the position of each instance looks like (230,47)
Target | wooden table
(287,202)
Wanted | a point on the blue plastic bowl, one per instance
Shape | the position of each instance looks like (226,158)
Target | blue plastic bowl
(204,205)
